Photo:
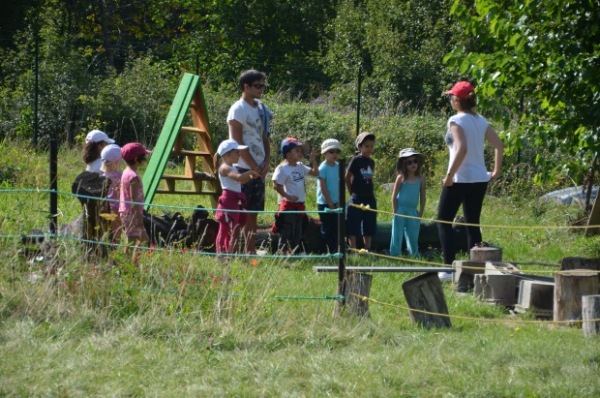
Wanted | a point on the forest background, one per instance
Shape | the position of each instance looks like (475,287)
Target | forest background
(69,66)
(182,325)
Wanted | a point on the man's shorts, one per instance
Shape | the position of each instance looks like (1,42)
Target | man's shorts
(255,193)
(361,222)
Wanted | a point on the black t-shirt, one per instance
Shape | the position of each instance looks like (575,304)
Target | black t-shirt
(362,170)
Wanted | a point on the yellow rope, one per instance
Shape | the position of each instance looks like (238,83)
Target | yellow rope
(468,318)
(368,208)
(515,271)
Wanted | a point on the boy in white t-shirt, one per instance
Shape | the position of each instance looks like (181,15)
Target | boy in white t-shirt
(288,181)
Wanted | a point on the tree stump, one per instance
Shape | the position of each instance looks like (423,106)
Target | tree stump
(485,253)
(358,283)
(425,293)
(570,286)
(568,263)
(590,308)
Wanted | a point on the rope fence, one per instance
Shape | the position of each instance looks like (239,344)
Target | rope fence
(328,256)
(468,318)
(278,256)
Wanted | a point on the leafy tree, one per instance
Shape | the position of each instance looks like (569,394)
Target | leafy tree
(280,37)
(399,45)
(537,63)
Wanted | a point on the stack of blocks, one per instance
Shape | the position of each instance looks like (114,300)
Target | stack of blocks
(499,283)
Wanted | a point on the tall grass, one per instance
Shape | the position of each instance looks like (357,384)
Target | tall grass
(185,324)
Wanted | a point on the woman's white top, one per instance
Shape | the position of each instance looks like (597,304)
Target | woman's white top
(473,168)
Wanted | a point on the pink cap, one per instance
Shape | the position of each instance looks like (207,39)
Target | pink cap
(133,150)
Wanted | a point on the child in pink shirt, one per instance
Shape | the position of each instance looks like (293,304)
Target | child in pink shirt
(134,154)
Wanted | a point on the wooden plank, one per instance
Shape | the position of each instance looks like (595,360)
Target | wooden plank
(383,269)
(425,293)
(168,135)
(590,308)
(196,177)
(594,219)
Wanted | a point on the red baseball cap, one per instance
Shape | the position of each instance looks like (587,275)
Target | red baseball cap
(133,150)
(461,90)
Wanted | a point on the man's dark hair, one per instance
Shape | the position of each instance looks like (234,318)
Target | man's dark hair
(250,76)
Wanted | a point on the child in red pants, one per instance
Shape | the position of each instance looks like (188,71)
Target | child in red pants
(232,197)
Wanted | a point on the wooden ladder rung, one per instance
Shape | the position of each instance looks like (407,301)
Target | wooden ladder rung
(198,176)
(187,152)
(190,129)
(188,192)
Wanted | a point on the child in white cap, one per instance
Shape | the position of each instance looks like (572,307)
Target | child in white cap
(232,197)
(111,163)
(408,194)
(328,193)
(95,141)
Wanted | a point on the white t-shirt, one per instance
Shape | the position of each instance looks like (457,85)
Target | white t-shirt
(253,129)
(229,183)
(473,168)
(292,179)
(94,166)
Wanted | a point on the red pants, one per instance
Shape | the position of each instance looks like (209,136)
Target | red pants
(230,223)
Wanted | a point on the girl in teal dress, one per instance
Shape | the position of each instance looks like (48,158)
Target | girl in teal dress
(408,202)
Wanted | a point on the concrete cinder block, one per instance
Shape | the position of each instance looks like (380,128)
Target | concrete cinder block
(465,272)
(500,289)
(537,297)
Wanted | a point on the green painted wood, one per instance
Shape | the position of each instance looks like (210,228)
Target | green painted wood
(168,135)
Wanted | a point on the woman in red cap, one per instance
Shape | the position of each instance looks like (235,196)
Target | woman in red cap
(467,178)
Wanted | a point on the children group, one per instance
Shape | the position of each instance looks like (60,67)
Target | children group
(125,190)
(126,196)
(408,197)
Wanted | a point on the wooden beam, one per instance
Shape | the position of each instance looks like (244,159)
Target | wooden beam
(383,269)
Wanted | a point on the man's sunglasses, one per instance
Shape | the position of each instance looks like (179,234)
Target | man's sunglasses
(259,85)
(336,151)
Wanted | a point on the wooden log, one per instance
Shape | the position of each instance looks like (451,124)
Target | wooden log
(570,287)
(485,253)
(332,268)
(358,283)
(425,293)
(590,309)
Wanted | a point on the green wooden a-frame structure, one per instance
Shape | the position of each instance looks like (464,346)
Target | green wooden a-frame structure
(172,141)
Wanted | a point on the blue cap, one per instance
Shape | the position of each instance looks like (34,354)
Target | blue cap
(288,144)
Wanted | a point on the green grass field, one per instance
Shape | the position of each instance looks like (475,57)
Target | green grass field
(184,324)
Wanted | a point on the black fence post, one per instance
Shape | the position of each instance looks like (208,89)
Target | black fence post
(342,234)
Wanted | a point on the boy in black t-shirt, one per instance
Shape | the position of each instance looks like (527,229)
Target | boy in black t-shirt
(359,181)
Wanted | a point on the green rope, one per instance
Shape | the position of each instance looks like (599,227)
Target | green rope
(62,193)
(182,250)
